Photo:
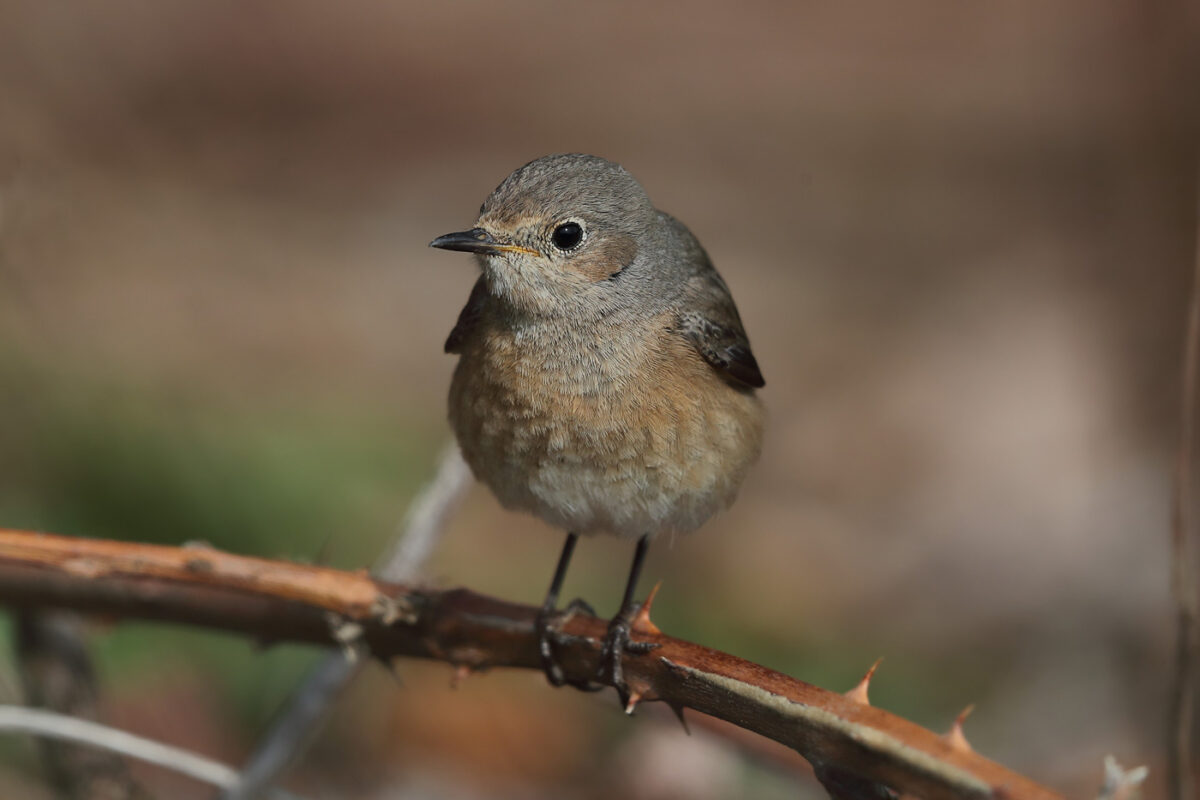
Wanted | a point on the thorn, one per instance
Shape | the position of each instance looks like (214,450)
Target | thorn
(955,736)
(859,693)
(678,710)
(461,673)
(641,620)
(635,697)
(390,665)
(322,558)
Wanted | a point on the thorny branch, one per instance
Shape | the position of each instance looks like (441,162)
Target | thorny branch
(855,748)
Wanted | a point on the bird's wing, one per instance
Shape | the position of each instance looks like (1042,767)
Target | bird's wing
(710,321)
(468,318)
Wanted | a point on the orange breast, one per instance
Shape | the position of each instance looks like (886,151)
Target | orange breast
(626,431)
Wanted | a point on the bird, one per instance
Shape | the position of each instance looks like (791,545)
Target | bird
(605,382)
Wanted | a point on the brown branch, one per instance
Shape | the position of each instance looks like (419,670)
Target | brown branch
(857,748)
(1180,779)
(57,674)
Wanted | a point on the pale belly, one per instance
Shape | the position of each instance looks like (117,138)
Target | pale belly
(631,460)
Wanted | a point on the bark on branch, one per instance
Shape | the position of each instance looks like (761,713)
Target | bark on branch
(856,749)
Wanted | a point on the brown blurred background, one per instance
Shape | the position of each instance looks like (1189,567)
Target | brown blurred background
(960,236)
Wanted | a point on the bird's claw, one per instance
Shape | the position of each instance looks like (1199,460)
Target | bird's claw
(545,627)
(548,628)
(616,644)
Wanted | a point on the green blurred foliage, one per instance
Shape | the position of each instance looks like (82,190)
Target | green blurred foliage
(126,462)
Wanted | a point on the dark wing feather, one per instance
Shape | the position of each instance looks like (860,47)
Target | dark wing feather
(707,316)
(723,344)
(468,318)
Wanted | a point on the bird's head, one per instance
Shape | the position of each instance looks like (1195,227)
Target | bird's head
(555,233)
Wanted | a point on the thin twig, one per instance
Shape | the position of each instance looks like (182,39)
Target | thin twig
(426,519)
(1181,780)
(309,705)
(37,722)
(275,601)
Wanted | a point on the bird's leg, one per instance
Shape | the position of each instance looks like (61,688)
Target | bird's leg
(544,624)
(617,643)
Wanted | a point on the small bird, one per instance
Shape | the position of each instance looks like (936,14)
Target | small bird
(605,382)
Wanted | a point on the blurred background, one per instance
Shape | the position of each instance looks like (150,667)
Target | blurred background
(960,236)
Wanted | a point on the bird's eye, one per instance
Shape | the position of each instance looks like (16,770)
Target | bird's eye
(567,236)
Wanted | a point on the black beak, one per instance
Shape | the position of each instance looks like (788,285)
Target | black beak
(476,240)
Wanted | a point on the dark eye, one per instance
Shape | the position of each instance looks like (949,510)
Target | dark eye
(567,236)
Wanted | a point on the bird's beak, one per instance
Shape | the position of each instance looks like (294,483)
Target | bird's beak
(477,240)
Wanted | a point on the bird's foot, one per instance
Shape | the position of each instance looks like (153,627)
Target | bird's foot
(548,628)
(616,644)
